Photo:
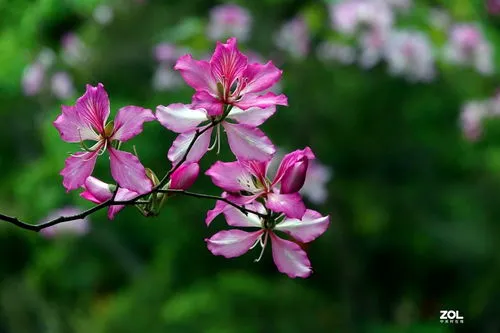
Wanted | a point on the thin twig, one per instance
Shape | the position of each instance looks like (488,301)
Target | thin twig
(214,197)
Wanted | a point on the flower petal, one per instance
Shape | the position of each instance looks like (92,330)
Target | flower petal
(235,218)
(78,168)
(290,258)
(260,77)
(232,243)
(129,121)
(289,204)
(121,195)
(261,101)
(197,74)
(72,127)
(231,177)
(96,190)
(253,116)
(128,171)
(220,206)
(289,160)
(181,144)
(180,118)
(204,100)
(248,143)
(93,107)
(184,176)
(311,226)
(228,63)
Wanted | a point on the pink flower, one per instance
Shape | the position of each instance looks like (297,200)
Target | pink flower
(76,227)
(98,192)
(471,118)
(348,17)
(229,20)
(185,176)
(62,85)
(166,52)
(493,6)
(315,186)
(288,256)
(467,45)
(245,181)
(87,121)
(228,79)
(245,139)
(293,37)
(410,53)
(32,79)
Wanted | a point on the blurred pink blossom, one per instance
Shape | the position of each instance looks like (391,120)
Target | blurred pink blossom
(77,227)
(493,6)
(74,50)
(62,85)
(338,52)
(350,16)
(293,38)
(472,115)
(315,186)
(32,79)
(229,21)
(409,53)
(468,46)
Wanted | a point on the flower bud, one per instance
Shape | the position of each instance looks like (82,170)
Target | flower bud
(184,176)
(294,176)
(97,191)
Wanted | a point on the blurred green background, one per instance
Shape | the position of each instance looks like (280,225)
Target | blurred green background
(414,205)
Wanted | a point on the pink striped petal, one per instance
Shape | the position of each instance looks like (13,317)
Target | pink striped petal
(232,243)
(228,63)
(260,77)
(129,122)
(231,177)
(93,107)
(261,101)
(181,144)
(220,206)
(311,226)
(253,116)
(197,74)
(96,190)
(206,101)
(289,160)
(235,218)
(128,171)
(184,177)
(78,168)
(290,258)
(180,118)
(289,204)
(248,143)
(72,127)
(121,195)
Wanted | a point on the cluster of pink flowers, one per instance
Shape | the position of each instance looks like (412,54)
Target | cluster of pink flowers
(229,20)
(408,52)
(41,73)
(232,95)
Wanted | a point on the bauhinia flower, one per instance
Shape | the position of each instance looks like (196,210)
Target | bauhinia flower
(294,37)
(288,256)
(246,181)
(245,139)
(98,191)
(87,120)
(228,79)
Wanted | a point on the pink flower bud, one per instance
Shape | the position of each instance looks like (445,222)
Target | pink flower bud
(295,176)
(184,176)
